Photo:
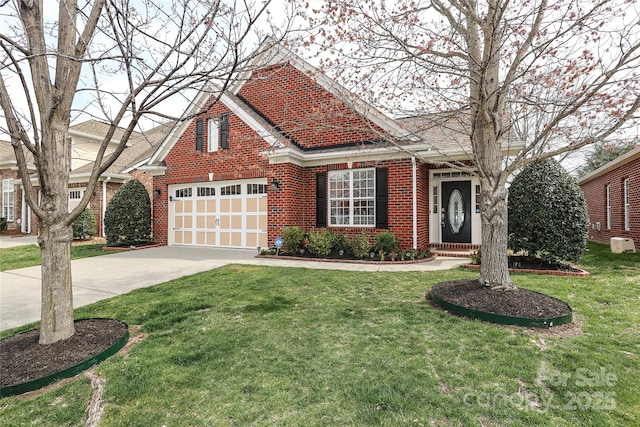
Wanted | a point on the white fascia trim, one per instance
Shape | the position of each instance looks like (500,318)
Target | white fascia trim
(84,177)
(254,124)
(92,137)
(136,166)
(154,170)
(302,159)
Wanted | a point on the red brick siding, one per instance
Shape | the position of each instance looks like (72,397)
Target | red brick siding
(160,211)
(294,202)
(242,160)
(595,195)
(292,101)
(184,164)
(303,110)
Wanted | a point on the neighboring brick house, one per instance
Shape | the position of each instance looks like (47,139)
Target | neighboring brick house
(85,139)
(285,146)
(613,199)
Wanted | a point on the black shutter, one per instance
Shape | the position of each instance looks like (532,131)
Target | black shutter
(224,132)
(382,198)
(199,134)
(321,199)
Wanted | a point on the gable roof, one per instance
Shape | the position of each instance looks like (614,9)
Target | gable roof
(231,101)
(269,54)
(628,157)
(137,152)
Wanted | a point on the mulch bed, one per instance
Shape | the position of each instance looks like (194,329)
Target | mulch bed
(23,359)
(529,263)
(519,302)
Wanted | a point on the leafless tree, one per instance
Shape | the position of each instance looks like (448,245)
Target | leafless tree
(120,60)
(560,73)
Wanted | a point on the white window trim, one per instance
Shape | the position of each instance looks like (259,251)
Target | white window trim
(8,199)
(351,199)
(213,133)
(627,207)
(608,202)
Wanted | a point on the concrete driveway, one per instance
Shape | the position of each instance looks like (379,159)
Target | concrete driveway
(115,274)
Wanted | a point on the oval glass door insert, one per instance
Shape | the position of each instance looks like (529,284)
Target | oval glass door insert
(456,211)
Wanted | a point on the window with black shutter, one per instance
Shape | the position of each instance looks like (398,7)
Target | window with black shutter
(199,135)
(224,131)
(321,199)
(382,198)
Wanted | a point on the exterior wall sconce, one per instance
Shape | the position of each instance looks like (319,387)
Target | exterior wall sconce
(157,192)
(275,184)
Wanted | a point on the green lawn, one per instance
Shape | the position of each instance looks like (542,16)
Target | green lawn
(247,345)
(29,255)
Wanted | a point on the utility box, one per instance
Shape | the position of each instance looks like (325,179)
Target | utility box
(621,244)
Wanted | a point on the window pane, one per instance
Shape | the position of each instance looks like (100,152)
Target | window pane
(352,197)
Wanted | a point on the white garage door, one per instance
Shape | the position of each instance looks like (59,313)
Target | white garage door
(230,214)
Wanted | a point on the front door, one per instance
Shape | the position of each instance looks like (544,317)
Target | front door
(456,212)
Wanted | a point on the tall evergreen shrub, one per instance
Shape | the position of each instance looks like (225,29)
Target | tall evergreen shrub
(127,220)
(84,226)
(547,213)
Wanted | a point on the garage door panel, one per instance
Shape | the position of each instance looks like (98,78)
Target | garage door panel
(200,238)
(227,214)
(236,239)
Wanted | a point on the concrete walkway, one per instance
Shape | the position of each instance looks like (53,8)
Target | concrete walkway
(115,274)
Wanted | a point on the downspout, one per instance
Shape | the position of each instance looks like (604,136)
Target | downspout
(25,221)
(104,202)
(414,201)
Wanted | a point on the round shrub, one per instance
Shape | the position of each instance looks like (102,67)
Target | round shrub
(321,242)
(386,242)
(548,215)
(292,238)
(127,219)
(84,226)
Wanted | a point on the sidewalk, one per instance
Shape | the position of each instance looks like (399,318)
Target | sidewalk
(115,274)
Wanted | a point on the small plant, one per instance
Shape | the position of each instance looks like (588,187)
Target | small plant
(386,241)
(476,257)
(293,237)
(270,251)
(381,254)
(3,224)
(360,245)
(84,226)
(341,244)
(321,242)
(393,255)
(402,255)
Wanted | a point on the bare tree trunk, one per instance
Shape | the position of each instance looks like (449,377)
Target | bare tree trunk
(494,267)
(57,300)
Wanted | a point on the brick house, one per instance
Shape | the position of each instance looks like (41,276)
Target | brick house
(285,145)
(85,140)
(613,199)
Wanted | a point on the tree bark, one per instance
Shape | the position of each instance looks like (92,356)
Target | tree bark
(57,299)
(494,266)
